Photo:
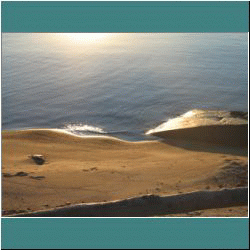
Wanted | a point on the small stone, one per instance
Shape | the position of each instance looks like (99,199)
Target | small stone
(38,159)
(68,203)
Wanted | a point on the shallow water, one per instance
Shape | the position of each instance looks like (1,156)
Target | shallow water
(119,84)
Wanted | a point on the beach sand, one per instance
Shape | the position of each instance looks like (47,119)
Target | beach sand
(85,170)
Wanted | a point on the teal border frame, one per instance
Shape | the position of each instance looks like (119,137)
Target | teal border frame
(104,233)
(124,233)
(124,16)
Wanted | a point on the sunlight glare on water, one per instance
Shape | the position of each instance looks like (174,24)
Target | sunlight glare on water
(82,38)
(67,44)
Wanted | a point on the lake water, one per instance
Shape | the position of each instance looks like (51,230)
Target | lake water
(120,84)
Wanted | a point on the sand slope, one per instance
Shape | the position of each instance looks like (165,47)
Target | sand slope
(83,170)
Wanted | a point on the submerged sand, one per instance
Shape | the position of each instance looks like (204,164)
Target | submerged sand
(83,170)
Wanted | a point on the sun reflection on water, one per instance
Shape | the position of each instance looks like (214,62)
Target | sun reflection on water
(83,38)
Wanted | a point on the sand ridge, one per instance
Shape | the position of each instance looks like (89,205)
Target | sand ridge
(151,205)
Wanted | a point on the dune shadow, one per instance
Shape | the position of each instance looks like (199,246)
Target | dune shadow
(205,147)
(226,139)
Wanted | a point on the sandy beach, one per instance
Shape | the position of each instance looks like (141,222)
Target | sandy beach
(86,170)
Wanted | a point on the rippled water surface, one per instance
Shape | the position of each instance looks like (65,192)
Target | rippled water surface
(119,84)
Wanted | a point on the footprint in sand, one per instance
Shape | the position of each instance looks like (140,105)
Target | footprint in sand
(7,175)
(37,177)
(228,160)
(20,174)
(233,173)
(90,169)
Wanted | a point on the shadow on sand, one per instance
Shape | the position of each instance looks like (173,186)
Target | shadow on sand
(225,139)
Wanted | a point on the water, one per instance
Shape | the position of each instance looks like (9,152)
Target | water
(119,84)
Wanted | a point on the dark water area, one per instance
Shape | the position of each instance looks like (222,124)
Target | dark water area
(119,84)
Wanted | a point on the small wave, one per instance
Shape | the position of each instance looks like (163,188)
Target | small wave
(198,117)
(86,130)
(83,129)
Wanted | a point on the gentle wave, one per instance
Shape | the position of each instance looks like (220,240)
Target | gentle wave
(198,117)
(83,129)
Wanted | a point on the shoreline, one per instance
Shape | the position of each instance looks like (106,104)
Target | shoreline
(102,169)
(64,131)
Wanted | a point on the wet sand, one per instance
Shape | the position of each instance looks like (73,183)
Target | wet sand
(85,170)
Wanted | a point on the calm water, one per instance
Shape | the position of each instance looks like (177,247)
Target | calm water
(120,84)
